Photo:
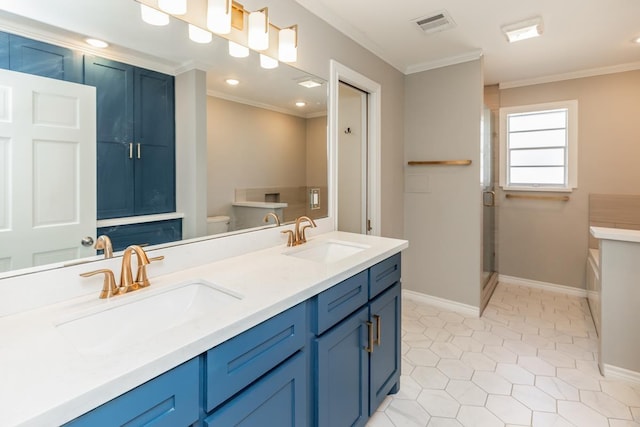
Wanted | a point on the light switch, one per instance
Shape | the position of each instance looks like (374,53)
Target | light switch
(314,198)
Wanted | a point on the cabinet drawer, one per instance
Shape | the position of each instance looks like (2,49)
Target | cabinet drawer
(169,400)
(336,303)
(236,363)
(278,399)
(384,274)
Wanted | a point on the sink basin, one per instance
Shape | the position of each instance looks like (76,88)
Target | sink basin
(327,251)
(134,318)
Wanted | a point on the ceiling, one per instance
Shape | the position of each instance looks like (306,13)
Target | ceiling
(579,35)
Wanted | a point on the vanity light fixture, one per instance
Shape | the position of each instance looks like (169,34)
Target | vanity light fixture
(219,16)
(232,82)
(301,104)
(237,50)
(174,7)
(523,30)
(97,43)
(153,16)
(309,83)
(267,62)
(288,44)
(259,29)
(199,35)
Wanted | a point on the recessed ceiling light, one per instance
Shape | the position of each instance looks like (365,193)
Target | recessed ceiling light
(97,43)
(232,82)
(309,83)
(300,104)
(523,30)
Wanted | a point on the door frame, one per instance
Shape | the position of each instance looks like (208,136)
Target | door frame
(338,73)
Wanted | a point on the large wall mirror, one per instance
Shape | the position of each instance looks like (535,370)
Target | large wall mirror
(264,152)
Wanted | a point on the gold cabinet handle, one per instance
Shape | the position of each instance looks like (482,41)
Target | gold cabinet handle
(131,150)
(369,346)
(378,332)
(138,150)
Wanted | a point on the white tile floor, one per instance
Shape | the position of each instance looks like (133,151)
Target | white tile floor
(530,360)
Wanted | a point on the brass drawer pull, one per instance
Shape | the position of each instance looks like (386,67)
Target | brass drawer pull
(378,331)
(369,346)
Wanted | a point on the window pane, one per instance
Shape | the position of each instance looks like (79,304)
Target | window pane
(543,157)
(552,119)
(543,138)
(532,176)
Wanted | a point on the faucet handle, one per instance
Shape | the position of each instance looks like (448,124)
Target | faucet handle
(109,287)
(290,239)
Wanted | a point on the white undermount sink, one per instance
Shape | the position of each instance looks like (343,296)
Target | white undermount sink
(129,319)
(327,251)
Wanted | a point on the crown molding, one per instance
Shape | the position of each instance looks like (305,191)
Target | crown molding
(592,72)
(445,62)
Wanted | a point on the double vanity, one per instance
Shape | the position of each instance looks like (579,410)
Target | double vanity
(304,335)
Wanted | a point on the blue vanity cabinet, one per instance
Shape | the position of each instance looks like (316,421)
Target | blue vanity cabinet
(169,400)
(357,345)
(136,138)
(44,59)
(277,399)
(146,233)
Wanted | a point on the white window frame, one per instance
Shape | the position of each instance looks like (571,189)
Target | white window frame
(572,145)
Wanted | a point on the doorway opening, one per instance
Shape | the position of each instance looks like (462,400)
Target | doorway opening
(354,126)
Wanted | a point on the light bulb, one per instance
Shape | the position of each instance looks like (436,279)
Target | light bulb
(152,16)
(199,35)
(219,16)
(237,50)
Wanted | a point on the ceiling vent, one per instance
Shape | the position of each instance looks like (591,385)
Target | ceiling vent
(435,22)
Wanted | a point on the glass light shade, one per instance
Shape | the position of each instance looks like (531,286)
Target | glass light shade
(287,45)
(199,35)
(219,16)
(268,62)
(259,30)
(237,50)
(152,16)
(174,7)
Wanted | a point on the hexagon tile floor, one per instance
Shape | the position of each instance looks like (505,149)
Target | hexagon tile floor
(530,360)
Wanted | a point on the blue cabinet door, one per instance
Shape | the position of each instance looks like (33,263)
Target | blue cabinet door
(342,373)
(114,95)
(278,399)
(44,59)
(170,400)
(384,369)
(4,50)
(154,142)
(146,233)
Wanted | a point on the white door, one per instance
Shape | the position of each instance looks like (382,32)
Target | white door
(47,170)
(353,209)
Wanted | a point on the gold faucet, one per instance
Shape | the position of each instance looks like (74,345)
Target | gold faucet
(127,284)
(299,234)
(103,242)
(272,215)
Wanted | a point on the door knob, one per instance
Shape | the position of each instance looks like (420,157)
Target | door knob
(87,241)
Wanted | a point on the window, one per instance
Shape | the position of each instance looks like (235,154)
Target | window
(539,147)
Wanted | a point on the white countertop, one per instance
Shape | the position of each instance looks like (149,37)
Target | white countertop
(45,380)
(621,234)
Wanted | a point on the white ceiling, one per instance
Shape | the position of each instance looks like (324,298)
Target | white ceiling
(579,35)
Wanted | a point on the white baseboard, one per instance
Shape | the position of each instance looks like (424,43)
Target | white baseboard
(617,373)
(568,290)
(465,309)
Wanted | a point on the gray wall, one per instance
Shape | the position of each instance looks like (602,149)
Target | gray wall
(318,42)
(548,241)
(443,220)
